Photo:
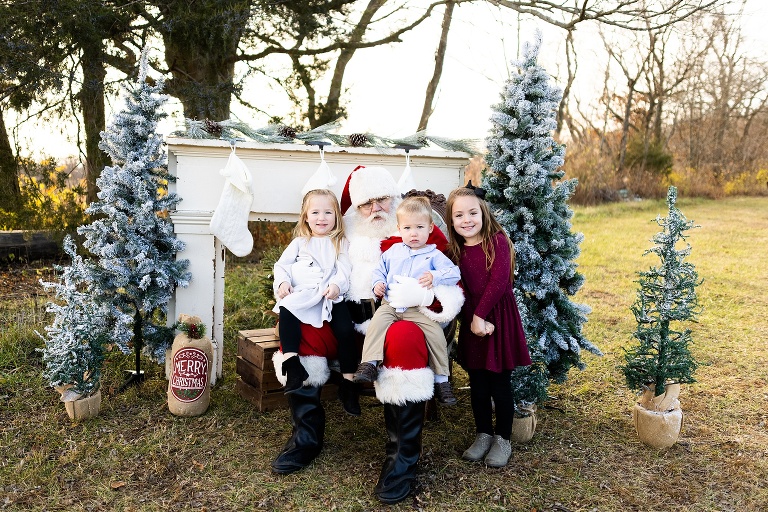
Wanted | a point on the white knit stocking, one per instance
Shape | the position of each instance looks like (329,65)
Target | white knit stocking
(230,219)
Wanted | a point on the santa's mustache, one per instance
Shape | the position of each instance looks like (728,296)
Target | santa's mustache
(382,215)
(379,224)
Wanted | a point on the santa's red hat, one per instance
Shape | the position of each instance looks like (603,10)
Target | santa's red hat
(366,183)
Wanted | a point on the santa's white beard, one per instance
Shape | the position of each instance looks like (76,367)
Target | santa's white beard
(382,227)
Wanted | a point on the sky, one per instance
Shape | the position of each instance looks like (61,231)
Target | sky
(387,84)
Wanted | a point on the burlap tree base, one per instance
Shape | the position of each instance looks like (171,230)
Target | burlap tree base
(84,408)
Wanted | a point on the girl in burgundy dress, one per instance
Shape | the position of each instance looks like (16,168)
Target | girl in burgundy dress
(491,338)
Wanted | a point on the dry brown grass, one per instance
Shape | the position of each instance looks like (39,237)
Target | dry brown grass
(585,455)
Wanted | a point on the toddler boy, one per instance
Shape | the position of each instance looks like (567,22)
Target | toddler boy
(416,259)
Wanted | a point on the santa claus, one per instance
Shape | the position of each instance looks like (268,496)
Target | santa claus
(405,382)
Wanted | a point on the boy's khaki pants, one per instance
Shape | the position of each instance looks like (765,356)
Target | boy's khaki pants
(373,347)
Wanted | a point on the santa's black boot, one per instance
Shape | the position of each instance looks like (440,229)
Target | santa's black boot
(404,424)
(308,420)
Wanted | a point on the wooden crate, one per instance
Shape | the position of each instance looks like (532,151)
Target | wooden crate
(254,358)
(273,400)
(257,380)
(257,377)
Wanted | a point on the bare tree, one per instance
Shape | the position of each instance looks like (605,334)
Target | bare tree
(429,97)
(727,96)
(311,58)
(633,65)
(637,15)
(632,15)
(563,114)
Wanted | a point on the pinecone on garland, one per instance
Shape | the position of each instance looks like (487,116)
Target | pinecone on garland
(286,131)
(212,127)
(357,140)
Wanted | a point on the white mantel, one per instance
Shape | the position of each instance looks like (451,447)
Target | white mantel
(279,172)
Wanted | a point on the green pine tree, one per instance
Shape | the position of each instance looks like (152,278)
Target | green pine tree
(531,204)
(666,298)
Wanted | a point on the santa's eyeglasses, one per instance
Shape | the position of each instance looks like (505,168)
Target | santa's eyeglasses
(381,201)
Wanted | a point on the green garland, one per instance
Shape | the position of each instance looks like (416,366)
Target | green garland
(192,330)
(283,134)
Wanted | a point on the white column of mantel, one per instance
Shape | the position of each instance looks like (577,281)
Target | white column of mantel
(204,297)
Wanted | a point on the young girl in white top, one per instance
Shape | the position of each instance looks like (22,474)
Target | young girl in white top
(320,243)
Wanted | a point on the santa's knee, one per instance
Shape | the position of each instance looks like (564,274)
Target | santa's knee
(317,347)
(404,375)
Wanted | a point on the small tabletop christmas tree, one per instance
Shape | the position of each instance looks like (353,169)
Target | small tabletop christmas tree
(666,297)
(75,341)
(530,203)
(132,236)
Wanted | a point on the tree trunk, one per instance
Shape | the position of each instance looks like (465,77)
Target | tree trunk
(562,110)
(10,194)
(625,125)
(202,60)
(332,109)
(658,115)
(91,98)
(429,98)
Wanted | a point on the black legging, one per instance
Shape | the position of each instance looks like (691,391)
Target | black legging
(485,385)
(341,325)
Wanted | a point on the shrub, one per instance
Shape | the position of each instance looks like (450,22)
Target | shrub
(51,198)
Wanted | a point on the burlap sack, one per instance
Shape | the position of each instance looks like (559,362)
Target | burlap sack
(658,429)
(523,427)
(189,385)
(84,408)
(666,401)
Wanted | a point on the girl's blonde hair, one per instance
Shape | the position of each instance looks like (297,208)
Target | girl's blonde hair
(302,227)
(490,227)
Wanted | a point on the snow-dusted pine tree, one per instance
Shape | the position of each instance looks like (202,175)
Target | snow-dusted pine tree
(75,341)
(666,297)
(132,237)
(524,191)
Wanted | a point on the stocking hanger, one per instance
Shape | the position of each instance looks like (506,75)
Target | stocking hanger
(406,181)
(320,144)
(232,141)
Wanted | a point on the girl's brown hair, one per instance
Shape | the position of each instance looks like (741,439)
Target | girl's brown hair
(302,227)
(489,228)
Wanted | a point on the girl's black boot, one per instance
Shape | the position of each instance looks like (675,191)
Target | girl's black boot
(295,374)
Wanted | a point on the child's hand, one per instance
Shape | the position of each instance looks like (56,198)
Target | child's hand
(284,289)
(380,289)
(479,327)
(426,280)
(332,292)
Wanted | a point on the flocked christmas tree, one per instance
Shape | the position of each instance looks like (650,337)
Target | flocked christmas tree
(132,237)
(75,341)
(666,297)
(528,196)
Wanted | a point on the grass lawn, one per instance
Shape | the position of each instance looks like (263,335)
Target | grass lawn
(585,455)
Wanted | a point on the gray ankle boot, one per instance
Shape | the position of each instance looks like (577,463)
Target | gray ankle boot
(479,448)
(498,456)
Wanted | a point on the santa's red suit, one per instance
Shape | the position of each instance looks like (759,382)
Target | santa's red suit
(405,382)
